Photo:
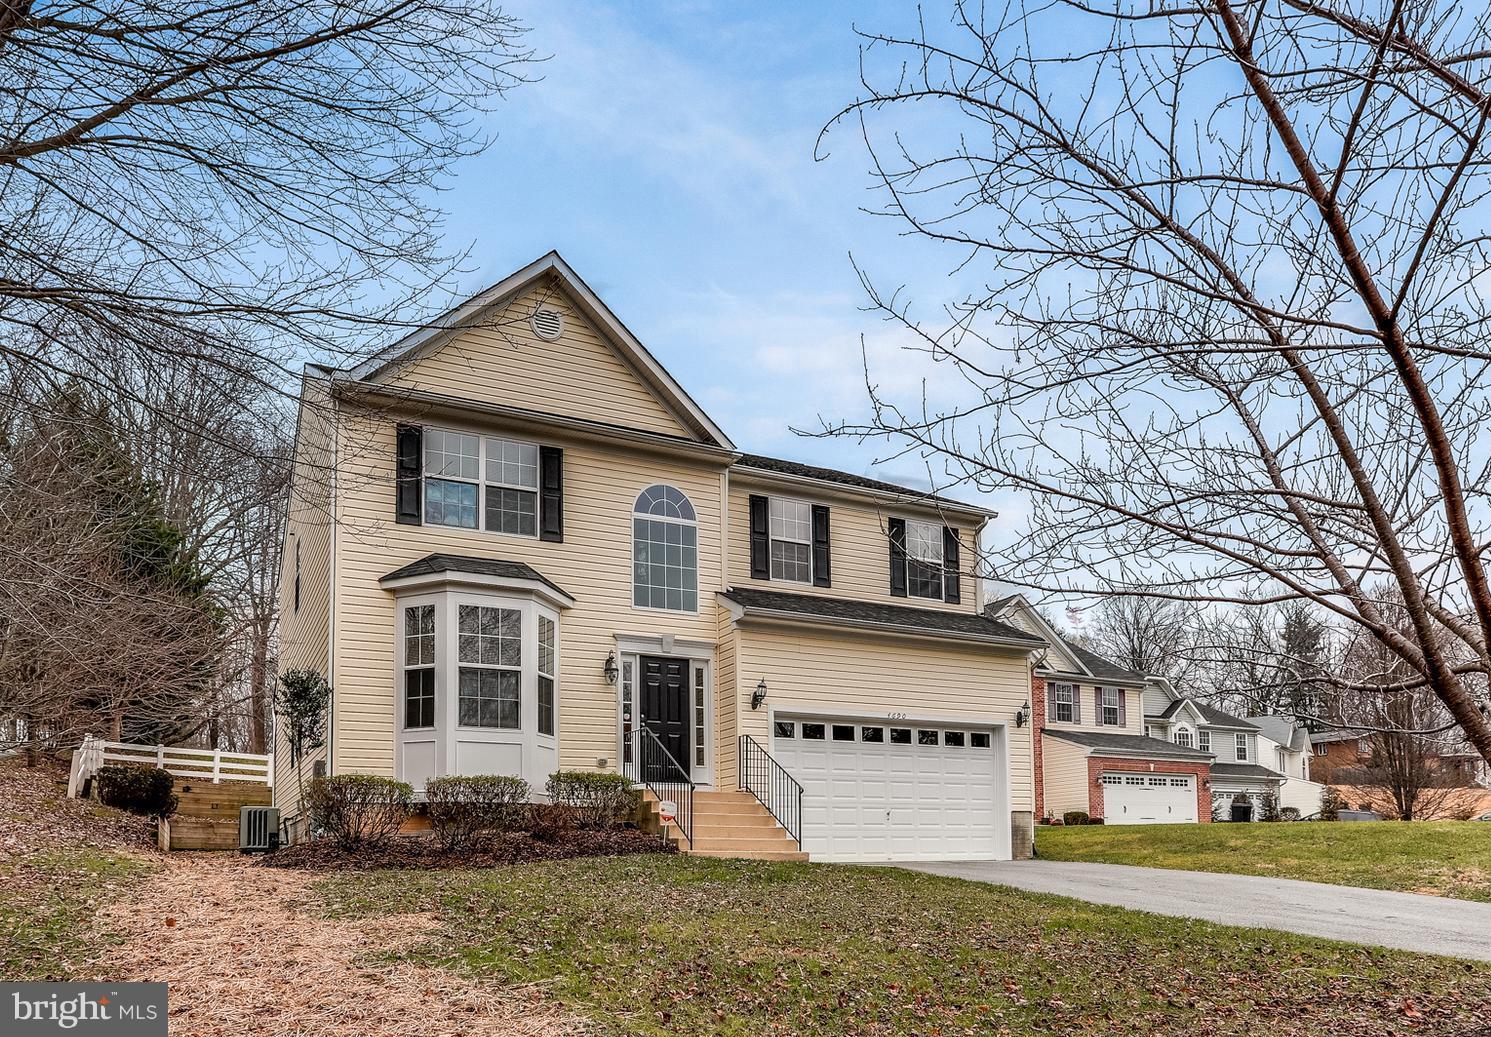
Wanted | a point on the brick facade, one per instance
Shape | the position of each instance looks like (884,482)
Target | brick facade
(1096,765)
(1342,755)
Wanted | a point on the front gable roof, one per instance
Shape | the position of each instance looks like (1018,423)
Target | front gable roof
(473,312)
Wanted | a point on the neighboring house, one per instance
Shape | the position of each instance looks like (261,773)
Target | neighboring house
(1338,754)
(1284,746)
(1094,753)
(1237,776)
(516,545)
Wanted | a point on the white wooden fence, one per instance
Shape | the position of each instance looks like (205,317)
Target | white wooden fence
(199,764)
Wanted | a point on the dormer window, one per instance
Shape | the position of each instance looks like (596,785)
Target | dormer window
(1184,737)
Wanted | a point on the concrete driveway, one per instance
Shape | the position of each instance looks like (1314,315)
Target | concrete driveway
(1406,921)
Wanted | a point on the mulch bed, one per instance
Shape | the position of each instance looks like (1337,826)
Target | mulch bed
(422,851)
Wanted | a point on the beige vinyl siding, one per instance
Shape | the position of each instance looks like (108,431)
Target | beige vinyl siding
(504,362)
(829,671)
(1065,777)
(727,694)
(859,551)
(593,564)
(304,632)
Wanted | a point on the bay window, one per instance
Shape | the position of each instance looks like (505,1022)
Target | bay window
(490,653)
(419,666)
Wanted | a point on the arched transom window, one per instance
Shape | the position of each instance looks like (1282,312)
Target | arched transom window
(665,551)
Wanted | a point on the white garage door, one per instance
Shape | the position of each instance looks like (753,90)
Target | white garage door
(1148,799)
(894,791)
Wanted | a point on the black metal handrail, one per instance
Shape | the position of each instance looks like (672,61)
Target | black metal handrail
(654,767)
(770,783)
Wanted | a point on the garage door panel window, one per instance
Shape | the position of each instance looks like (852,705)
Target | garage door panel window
(814,732)
(843,732)
(784,729)
(953,739)
(900,736)
(926,738)
(872,734)
(979,740)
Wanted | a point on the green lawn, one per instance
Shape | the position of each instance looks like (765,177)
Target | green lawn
(1447,858)
(675,945)
(47,903)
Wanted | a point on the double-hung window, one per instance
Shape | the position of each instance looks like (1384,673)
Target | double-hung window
(419,666)
(1064,703)
(1203,740)
(1242,748)
(1108,698)
(545,675)
(791,540)
(484,482)
(923,560)
(452,478)
(489,649)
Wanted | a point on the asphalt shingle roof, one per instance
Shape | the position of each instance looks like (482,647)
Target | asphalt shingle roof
(813,606)
(1284,730)
(1100,666)
(1139,744)
(440,563)
(1243,770)
(808,471)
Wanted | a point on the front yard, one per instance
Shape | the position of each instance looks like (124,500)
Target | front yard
(1446,858)
(659,945)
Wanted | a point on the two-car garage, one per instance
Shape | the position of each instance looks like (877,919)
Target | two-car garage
(879,790)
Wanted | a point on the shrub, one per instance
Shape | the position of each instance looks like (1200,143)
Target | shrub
(359,809)
(597,800)
(549,822)
(1331,804)
(1269,811)
(1075,817)
(1094,820)
(463,808)
(1289,813)
(140,790)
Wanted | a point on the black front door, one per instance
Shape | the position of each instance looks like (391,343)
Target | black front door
(665,704)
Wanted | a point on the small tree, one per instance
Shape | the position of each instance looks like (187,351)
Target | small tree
(301,705)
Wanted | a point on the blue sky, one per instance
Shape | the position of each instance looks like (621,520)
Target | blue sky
(668,154)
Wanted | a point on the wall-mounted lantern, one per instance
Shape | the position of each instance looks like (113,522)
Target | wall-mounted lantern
(610,670)
(1022,715)
(759,695)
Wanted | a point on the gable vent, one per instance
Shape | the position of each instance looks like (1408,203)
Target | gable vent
(547,324)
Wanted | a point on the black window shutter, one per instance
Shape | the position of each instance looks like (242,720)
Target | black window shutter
(822,570)
(408,501)
(760,539)
(897,557)
(952,592)
(551,494)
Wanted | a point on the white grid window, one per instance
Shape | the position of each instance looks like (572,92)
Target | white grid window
(1183,737)
(485,481)
(490,652)
(1109,710)
(545,675)
(923,560)
(791,540)
(419,666)
(1242,748)
(1065,696)
(665,551)
(1203,741)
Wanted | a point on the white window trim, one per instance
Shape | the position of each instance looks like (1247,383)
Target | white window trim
(936,540)
(1056,703)
(1104,707)
(527,661)
(1182,731)
(405,666)
(539,753)
(632,515)
(1241,742)
(481,482)
(770,539)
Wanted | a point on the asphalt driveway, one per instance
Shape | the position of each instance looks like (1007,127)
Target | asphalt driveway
(1406,921)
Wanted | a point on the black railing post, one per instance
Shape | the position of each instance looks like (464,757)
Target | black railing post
(655,768)
(775,789)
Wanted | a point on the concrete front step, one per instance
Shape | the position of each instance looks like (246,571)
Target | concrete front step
(730,824)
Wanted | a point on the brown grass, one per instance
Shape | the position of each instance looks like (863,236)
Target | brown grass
(245,951)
